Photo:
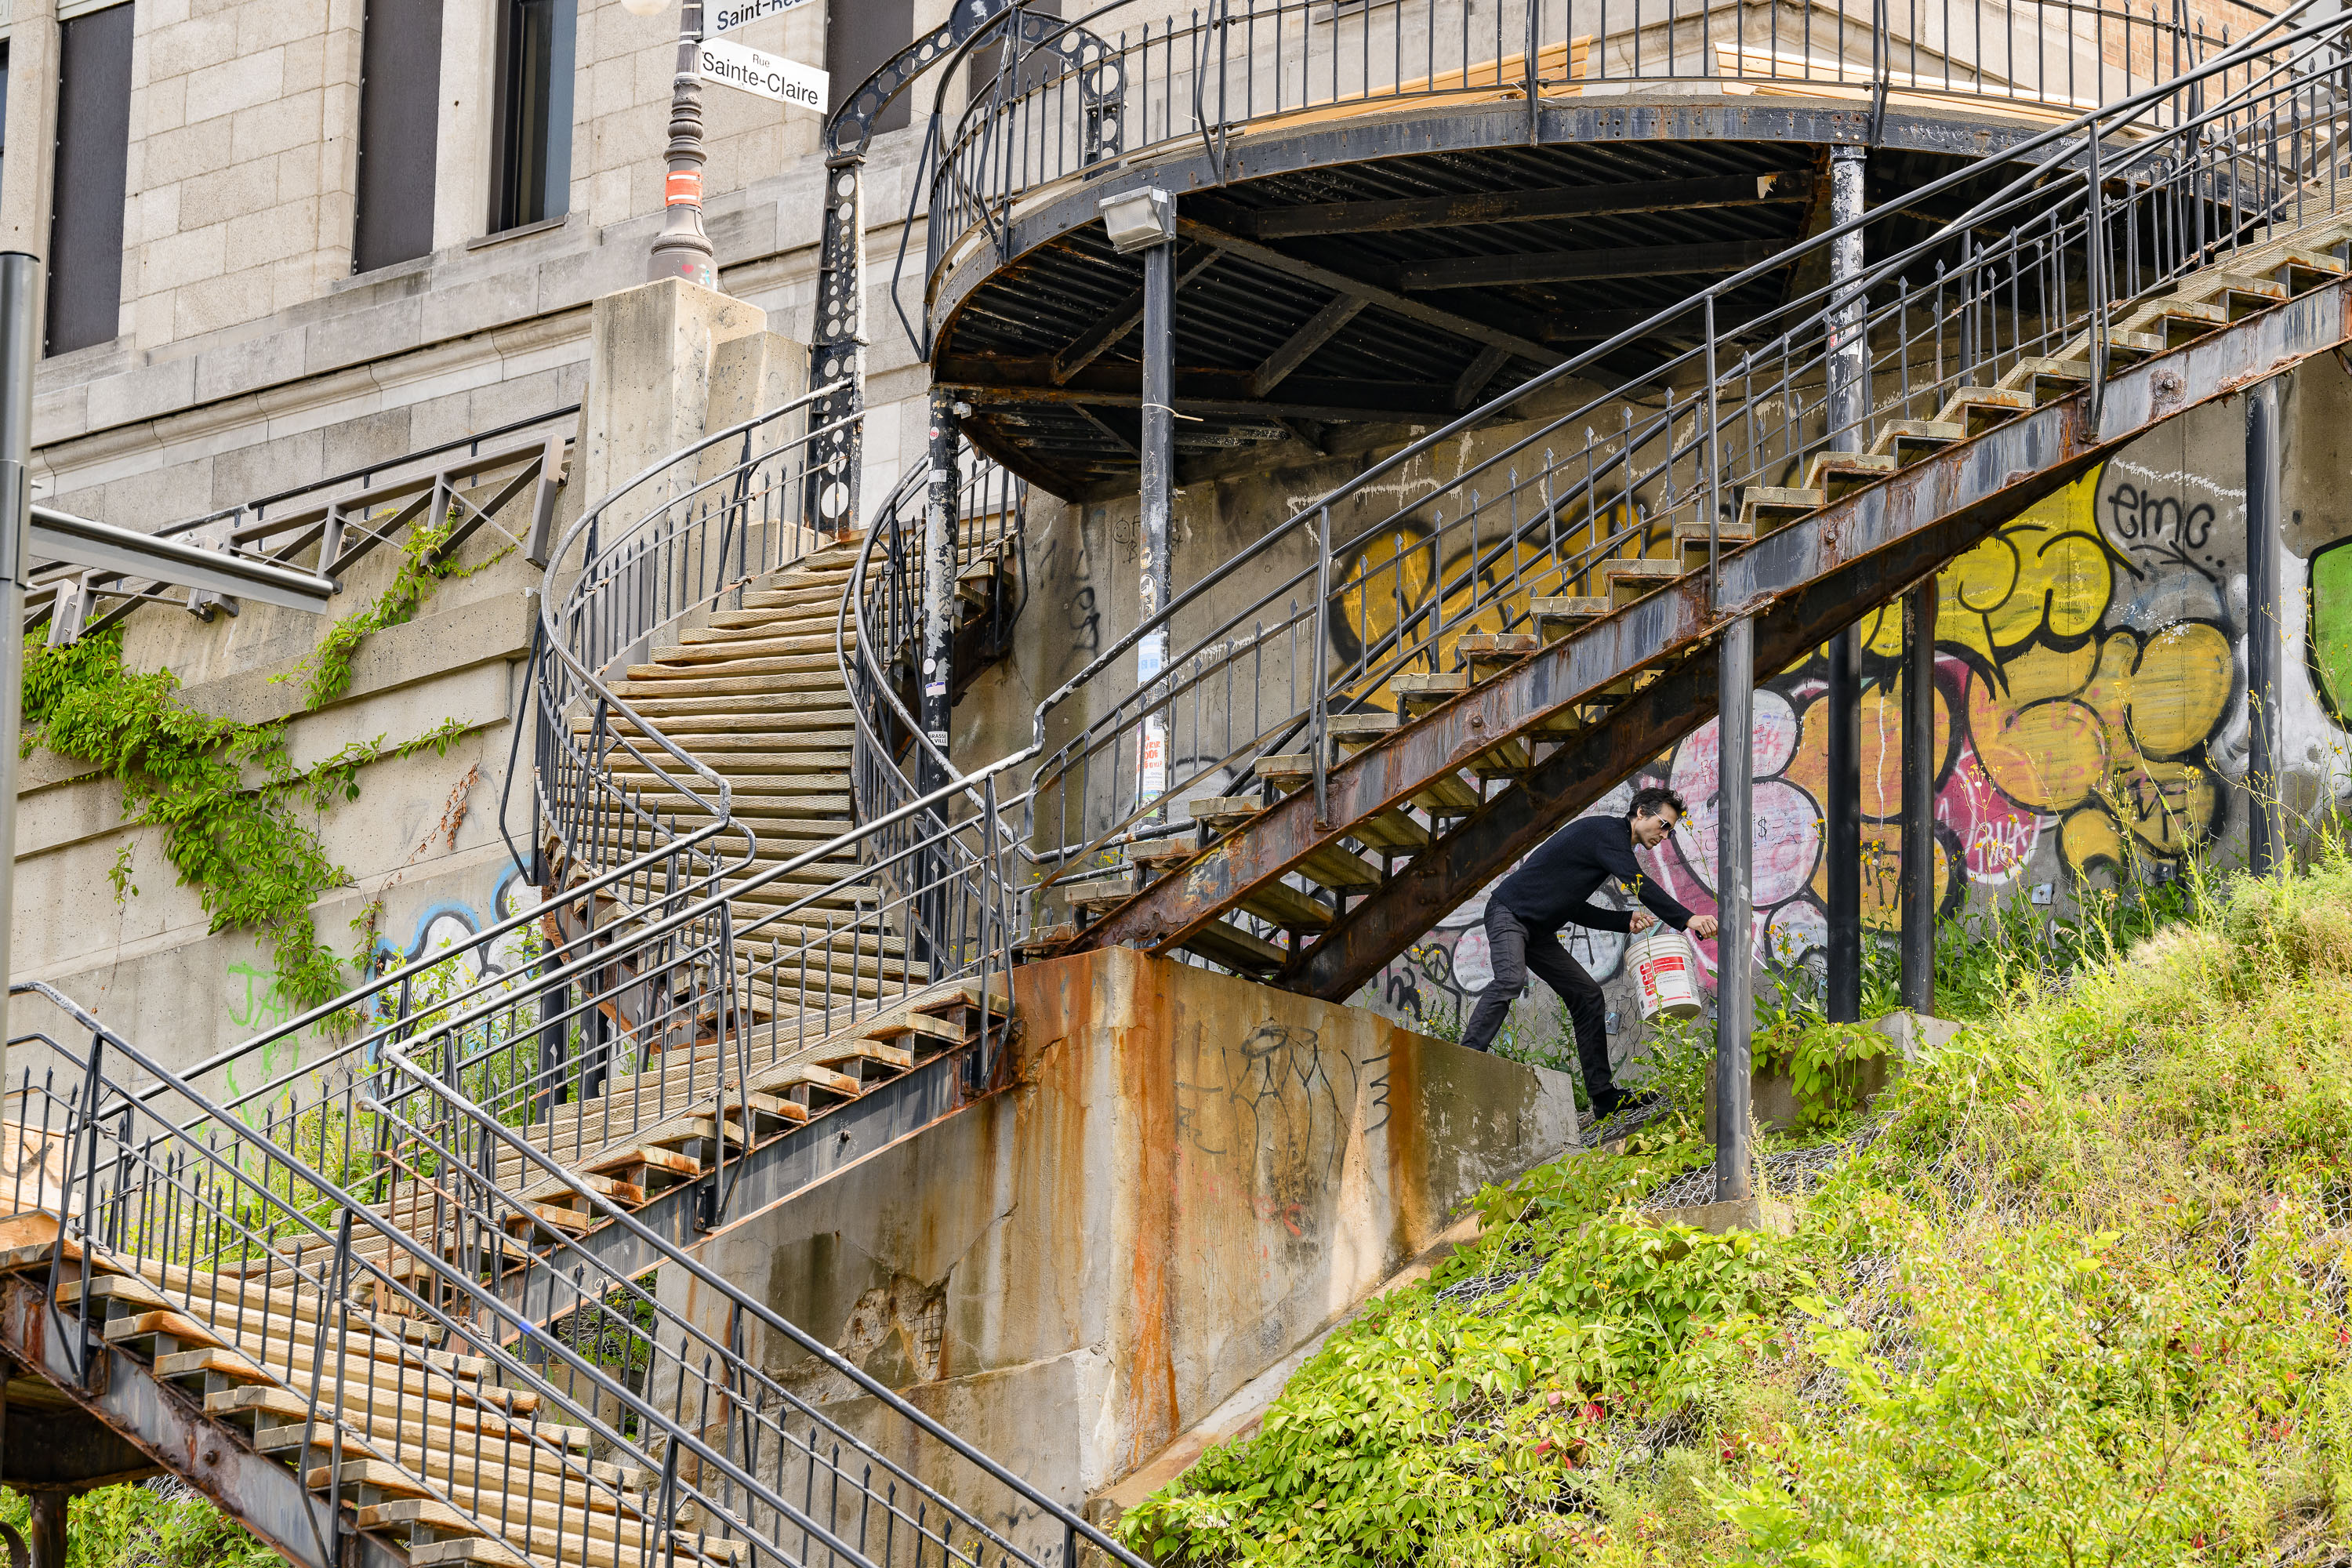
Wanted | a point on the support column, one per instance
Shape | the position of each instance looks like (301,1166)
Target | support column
(1849,407)
(48,1528)
(1734,938)
(1918,902)
(2266,847)
(940,526)
(1159,474)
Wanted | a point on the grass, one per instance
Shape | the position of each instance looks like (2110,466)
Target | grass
(2079,1300)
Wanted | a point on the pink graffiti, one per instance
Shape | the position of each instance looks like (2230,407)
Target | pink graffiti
(1997,836)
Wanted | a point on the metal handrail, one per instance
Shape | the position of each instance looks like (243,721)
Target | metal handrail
(189,1213)
(1241,67)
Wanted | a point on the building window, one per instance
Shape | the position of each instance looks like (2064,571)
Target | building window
(400,124)
(86,211)
(860,36)
(533,180)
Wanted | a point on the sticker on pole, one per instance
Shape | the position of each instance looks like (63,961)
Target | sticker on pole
(786,81)
(730,15)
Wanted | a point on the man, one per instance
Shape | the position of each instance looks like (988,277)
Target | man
(1553,888)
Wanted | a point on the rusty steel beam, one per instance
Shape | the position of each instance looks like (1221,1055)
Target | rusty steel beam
(170,1428)
(1802,582)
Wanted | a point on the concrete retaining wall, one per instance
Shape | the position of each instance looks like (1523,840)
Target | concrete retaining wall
(1191,1175)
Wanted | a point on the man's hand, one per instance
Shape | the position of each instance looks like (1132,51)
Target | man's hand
(1641,922)
(1702,926)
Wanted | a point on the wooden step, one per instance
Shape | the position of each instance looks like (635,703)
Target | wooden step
(1839,474)
(1558,616)
(1908,440)
(1490,651)
(2240,294)
(1360,729)
(1096,896)
(2178,320)
(1279,904)
(1391,832)
(1159,857)
(1977,409)
(1692,541)
(1627,581)
(1763,508)
(1339,869)
(2046,379)
(1220,813)
(1222,942)
(1422,690)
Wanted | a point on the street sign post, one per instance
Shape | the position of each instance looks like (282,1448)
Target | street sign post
(770,76)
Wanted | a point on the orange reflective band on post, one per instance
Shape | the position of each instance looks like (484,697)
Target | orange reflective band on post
(685,188)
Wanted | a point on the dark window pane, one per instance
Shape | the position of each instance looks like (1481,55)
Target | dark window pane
(986,60)
(534,179)
(400,122)
(86,211)
(859,36)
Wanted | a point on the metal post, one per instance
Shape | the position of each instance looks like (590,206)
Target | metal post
(939,527)
(48,1546)
(1735,940)
(1849,406)
(2266,849)
(20,294)
(682,250)
(1919,798)
(1159,474)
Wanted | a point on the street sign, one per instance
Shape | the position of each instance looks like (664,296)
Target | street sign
(770,76)
(729,15)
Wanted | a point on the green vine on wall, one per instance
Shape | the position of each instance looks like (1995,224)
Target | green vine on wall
(251,851)
(425,563)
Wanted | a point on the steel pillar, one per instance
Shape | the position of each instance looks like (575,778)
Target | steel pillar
(1735,940)
(1849,408)
(2266,845)
(940,526)
(682,250)
(46,1536)
(1918,902)
(1158,477)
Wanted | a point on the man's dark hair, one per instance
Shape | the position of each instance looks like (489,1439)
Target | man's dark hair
(1649,799)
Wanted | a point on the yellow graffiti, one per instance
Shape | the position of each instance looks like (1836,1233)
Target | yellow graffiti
(2102,730)
(1389,601)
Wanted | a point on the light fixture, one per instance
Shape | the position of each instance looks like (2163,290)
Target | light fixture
(1138,220)
(644,8)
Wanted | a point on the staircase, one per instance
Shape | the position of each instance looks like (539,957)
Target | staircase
(401,1306)
(1517,652)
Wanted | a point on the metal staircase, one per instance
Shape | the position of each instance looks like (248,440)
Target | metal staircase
(1521,639)
(402,1304)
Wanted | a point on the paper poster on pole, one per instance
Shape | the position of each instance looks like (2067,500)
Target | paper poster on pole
(768,76)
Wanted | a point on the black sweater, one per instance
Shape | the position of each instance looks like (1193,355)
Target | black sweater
(1554,887)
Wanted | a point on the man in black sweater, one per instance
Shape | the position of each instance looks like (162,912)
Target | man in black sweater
(1555,886)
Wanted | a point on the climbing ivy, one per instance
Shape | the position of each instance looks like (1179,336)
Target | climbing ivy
(250,850)
(425,563)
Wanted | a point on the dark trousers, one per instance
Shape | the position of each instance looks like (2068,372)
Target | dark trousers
(1518,950)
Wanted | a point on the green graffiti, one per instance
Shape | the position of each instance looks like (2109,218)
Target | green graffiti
(2330,642)
(262,1006)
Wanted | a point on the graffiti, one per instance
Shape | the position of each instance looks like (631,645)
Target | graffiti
(1080,612)
(1280,1101)
(2084,671)
(1391,594)
(2328,648)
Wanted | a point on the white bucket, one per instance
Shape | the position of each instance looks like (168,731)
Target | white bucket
(1667,971)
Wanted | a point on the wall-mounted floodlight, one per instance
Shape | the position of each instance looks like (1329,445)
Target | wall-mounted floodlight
(1138,220)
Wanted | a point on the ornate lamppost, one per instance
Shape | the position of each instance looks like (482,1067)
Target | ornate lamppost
(682,250)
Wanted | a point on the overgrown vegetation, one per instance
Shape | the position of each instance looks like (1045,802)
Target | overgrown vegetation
(426,562)
(162,1524)
(2074,1292)
(250,850)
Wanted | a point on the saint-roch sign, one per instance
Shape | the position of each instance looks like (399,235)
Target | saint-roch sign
(726,15)
(770,76)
